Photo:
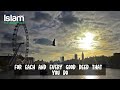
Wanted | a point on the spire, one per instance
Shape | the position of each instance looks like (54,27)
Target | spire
(82,56)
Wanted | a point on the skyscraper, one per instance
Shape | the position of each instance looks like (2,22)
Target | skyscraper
(62,59)
(82,56)
(76,57)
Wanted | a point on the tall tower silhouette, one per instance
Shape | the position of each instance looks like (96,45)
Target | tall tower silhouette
(62,59)
(75,56)
(82,56)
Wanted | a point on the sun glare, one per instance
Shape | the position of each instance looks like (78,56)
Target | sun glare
(87,41)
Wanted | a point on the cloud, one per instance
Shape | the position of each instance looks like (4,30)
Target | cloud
(5,45)
(114,14)
(68,18)
(9,36)
(43,41)
(34,50)
(39,16)
(44,21)
(116,37)
(65,19)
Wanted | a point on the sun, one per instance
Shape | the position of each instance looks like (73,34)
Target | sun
(87,42)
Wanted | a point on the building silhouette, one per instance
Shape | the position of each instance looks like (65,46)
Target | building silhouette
(82,56)
(31,60)
(116,54)
(75,57)
(4,60)
(115,60)
(62,59)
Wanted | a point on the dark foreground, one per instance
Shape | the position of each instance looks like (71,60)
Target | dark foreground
(110,74)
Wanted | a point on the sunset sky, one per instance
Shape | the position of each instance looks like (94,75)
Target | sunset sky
(93,32)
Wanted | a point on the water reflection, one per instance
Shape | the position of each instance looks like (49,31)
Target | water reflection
(90,74)
(91,77)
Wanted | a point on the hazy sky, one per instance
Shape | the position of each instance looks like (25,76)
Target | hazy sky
(69,28)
